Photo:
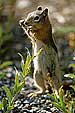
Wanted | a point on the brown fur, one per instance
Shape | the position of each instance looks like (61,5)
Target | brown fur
(44,32)
(46,67)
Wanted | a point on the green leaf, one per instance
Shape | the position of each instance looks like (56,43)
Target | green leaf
(38,53)
(16,82)
(28,61)
(21,73)
(2,75)
(62,102)
(55,98)
(72,65)
(61,97)
(5,64)
(71,109)
(1,106)
(57,105)
(22,61)
(8,93)
(20,86)
(27,64)
(10,108)
(4,104)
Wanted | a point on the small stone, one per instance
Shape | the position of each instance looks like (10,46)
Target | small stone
(25,110)
(48,102)
(20,107)
(35,108)
(26,102)
(33,103)
(44,111)
(54,109)
(8,75)
(47,108)
(0,82)
(26,105)
(43,101)
(17,103)
(50,105)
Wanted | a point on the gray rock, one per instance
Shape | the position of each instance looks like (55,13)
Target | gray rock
(26,102)
(25,110)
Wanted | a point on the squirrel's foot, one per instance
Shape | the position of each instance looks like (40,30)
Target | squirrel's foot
(36,93)
(32,94)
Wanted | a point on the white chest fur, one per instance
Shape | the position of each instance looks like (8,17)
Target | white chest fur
(38,45)
(41,61)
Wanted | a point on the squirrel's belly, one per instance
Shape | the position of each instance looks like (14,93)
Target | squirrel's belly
(46,60)
(41,62)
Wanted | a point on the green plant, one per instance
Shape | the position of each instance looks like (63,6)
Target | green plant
(65,102)
(2,75)
(71,75)
(8,102)
(11,94)
(5,64)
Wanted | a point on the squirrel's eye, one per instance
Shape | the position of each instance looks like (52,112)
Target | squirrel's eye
(36,18)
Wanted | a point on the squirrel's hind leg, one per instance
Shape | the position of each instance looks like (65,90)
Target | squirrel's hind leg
(39,82)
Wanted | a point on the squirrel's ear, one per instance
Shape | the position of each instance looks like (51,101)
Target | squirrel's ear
(39,8)
(45,12)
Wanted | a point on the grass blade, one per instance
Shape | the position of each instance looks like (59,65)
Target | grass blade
(8,93)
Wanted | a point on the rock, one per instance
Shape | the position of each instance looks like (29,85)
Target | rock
(25,111)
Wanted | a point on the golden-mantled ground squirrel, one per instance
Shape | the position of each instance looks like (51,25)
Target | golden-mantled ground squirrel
(46,67)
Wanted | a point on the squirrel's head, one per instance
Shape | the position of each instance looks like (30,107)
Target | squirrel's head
(36,23)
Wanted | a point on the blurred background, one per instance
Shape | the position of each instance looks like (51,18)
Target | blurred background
(14,40)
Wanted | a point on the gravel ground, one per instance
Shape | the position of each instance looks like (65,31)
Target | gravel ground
(39,104)
(24,103)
